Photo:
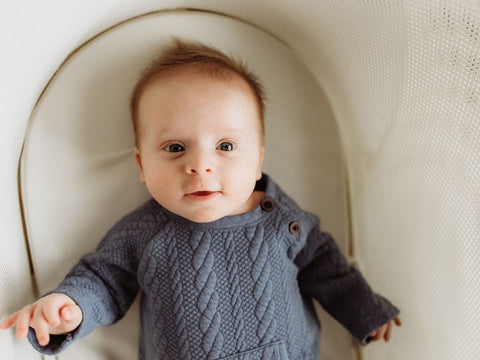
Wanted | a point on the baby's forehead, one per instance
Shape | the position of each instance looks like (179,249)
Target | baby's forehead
(183,84)
(188,73)
(192,84)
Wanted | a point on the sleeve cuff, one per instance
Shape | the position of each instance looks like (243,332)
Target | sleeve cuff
(386,313)
(57,342)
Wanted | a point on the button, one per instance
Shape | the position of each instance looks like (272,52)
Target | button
(294,228)
(267,204)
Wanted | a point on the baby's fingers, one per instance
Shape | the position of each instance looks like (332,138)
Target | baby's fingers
(387,333)
(23,321)
(41,330)
(41,325)
(51,315)
(376,335)
(397,321)
(9,322)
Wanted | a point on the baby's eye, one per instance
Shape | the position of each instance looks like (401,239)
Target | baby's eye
(225,146)
(174,148)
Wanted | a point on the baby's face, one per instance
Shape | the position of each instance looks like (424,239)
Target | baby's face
(200,147)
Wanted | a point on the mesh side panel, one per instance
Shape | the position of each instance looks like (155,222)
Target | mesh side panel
(419,229)
(403,79)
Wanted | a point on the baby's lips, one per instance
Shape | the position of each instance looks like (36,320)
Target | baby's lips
(202,193)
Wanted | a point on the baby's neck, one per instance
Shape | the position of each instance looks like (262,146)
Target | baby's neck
(251,203)
(255,199)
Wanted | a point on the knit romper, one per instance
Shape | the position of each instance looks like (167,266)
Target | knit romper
(237,288)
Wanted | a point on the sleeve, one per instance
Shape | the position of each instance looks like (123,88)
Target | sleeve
(325,275)
(103,284)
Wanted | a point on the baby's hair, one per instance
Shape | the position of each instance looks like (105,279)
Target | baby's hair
(205,59)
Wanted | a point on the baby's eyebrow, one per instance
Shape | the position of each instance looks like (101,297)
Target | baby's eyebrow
(219,130)
(169,131)
(233,130)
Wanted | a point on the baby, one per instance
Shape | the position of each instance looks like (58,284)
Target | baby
(226,263)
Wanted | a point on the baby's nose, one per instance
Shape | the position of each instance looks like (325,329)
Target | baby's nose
(200,170)
(199,165)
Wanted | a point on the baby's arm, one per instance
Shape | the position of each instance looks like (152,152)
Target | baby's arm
(52,314)
(324,274)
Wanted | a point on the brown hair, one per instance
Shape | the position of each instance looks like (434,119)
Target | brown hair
(202,57)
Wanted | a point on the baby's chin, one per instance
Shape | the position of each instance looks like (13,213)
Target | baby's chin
(205,220)
(210,209)
(201,217)
(205,217)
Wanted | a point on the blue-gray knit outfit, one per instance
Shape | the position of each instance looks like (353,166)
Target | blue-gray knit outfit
(236,288)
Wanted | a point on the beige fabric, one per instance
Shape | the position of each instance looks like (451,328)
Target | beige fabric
(402,83)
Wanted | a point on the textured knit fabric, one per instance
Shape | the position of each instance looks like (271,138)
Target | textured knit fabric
(236,288)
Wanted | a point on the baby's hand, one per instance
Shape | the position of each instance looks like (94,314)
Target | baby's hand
(52,314)
(385,330)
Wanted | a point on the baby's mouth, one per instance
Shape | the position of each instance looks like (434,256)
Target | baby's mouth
(202,195)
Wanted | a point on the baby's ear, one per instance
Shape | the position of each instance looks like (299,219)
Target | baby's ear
(260,163)
(138,158)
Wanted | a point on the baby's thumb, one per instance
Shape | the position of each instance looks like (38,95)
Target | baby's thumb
(71,312)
